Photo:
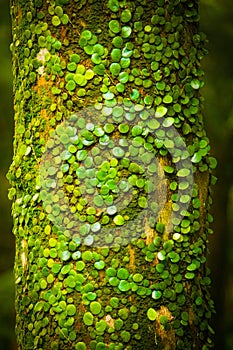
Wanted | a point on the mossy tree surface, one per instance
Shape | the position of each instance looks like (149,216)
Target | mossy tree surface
(106,102)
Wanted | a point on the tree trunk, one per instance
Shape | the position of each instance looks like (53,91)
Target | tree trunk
(110,176)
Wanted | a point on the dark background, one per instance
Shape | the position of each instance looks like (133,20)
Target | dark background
(217,23)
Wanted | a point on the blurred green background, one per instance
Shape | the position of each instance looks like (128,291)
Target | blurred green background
(217,23)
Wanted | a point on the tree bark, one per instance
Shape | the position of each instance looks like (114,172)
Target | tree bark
(111,176)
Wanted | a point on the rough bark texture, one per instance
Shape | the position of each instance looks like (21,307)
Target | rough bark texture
(110,176)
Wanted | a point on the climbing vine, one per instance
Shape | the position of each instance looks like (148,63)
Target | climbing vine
(111,176)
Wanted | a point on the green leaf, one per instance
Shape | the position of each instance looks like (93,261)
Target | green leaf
(183,172)
(101,346)
(168,169)
(185,316)
(39,306)
(126,16)
(160,227)
(80,265)
(114,26)
(189,275)
(80,346)
(114,281)
(101,326)
(122,273)
(212,162)
(169,121)
(117,41)
(114,302)
(179,287)
(159,268)
(156,294)
(192,267)
(160,111)
(70,86)
(88,318)
(196,158)
(161,255)
(167,99)
(65,255)
(126,32)
(125,336)
(161,85)
(118,152)
(198,301)
(95,307)
(195,83)
(71,310)
(151,314)
(119,220)
(99,265)
(123,128)
(80,79)
(142,202)
(111,272)
(87,255)
(175,257)
(137,277)
(124,286)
